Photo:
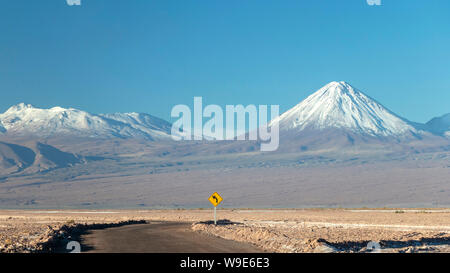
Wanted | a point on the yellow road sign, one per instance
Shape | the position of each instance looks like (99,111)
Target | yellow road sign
(215,199)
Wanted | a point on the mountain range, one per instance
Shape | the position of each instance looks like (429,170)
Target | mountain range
(334,117)
(24,119)
(337,105)
(338,147)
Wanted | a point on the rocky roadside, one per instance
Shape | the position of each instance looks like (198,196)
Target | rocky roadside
(300,238)
(41,238)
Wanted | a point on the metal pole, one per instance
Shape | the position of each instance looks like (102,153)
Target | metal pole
(215,222)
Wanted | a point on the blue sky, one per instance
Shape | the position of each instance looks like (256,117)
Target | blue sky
(146,56)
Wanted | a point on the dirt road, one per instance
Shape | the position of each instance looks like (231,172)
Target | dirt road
(274,230)
(159,237)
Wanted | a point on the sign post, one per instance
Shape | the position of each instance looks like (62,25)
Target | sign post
(215,199)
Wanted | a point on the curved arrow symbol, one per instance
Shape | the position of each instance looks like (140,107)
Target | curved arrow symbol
(215,197)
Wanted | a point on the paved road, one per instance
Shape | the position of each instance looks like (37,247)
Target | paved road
(158,237)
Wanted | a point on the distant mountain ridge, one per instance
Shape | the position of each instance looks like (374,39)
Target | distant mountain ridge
(24,119)
(440,125)
(336,108)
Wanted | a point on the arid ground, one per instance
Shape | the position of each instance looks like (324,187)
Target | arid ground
(133,175)
(274,230)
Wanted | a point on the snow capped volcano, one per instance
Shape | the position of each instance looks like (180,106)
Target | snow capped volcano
(339,105)
(24,119)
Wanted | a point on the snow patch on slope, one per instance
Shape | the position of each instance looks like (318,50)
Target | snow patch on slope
(144,122)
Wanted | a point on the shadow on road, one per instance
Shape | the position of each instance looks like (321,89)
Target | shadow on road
(68,233)
(392,244)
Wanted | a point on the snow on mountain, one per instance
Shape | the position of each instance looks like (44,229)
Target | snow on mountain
(339,105)
(440,125)
(143,122)
(25,119)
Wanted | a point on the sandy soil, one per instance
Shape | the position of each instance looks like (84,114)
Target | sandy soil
(308,230)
